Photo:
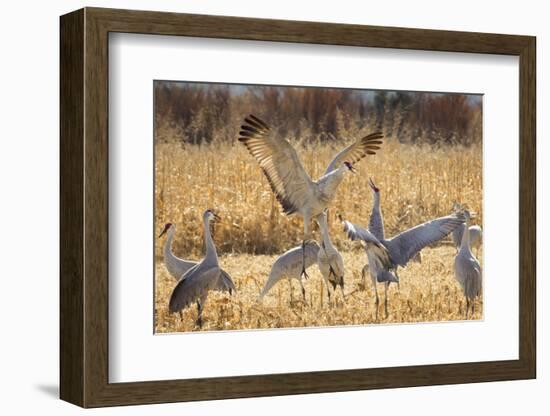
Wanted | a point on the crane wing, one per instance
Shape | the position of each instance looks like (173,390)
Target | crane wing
(179,269)
(289,264)
(407,244)
(193,286)
(356,232)
(278,159)
(468,273)
(312,248)
(225,283)
(353,153)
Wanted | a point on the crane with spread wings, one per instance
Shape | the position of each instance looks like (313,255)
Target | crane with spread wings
(292,186)
(386,255)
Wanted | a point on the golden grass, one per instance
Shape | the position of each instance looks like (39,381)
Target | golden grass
(428,292)
(418,183)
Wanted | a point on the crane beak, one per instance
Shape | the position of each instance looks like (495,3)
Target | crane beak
(373,186)
(164,231)
(217,217)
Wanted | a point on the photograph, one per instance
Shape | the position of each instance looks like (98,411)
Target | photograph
(293,207)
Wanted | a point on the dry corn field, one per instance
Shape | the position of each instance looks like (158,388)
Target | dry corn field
(417,182)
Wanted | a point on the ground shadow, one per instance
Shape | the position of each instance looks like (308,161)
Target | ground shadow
(51,390)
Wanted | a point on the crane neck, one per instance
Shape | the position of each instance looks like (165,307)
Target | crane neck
(210,247)
(168,242)
(322,221)
(465,242)
(376,200)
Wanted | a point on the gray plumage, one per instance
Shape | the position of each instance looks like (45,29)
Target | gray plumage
(385,256)
(207,275)
(380,266)
(476,235)
(176,266)
(292,186)
(467,269)
(376,225)
(329,260)
(289,266)
(404,246)
(376,221)
(378,255)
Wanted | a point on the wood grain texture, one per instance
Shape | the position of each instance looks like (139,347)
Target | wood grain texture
(71,213)
(84,207)
(528,208)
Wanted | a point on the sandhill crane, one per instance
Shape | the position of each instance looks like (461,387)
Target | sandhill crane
(468,269)
(404,246)
(475,236)
(376,227)
(292,186)
(329,260)
(476,233)
(175,266)
(376,222)
(381,268)
(289,266)
(207,275)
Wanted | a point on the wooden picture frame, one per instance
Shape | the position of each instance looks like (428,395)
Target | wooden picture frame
(84,207)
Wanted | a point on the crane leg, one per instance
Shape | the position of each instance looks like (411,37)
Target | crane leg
(386,298)
(377,300)
(290,290)
(398,279)
(303,291)
(467,307)
(199,316)
(304,274)
(364,278)
(306,236)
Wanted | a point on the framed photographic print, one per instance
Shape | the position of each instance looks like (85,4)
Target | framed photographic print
(298,207)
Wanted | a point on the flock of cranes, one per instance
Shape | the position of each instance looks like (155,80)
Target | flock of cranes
(298,193)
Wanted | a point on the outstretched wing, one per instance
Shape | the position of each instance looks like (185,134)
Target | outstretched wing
(407,244)
(193,286)
(356,232)
(278,159)
(225,283)
(367,145)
